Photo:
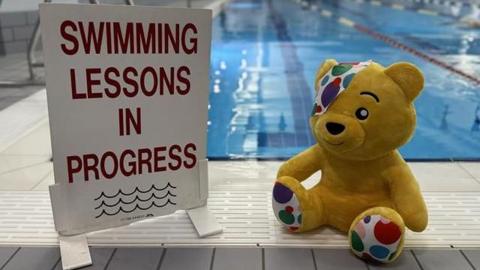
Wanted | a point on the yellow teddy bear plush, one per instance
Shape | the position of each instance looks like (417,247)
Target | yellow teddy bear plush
(363,113)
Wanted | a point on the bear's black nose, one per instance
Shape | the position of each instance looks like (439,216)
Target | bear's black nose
(335,128)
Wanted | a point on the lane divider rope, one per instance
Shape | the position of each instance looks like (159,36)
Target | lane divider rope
(397,44)
(394,43)
(423,11)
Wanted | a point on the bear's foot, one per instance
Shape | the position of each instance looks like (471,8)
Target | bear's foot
(286,207)
(295,207)
(377,235)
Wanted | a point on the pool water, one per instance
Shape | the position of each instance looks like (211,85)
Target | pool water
(265,54)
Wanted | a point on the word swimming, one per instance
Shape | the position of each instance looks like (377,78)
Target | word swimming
(128,38)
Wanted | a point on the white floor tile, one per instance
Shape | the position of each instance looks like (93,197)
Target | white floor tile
(11,163)
(36,142)
(448,184)
(248,174)
(21,117)
(443,176)
(424,170)
(45,183)
(472,167)
(25,179)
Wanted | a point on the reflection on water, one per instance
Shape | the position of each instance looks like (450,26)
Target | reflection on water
(264,58)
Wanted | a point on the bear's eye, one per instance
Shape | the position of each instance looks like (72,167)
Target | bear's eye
(361,113)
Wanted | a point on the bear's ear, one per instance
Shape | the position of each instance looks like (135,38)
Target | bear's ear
(322,70)
(408,77)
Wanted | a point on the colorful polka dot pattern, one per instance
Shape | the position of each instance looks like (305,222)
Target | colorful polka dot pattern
(286,207)
(335,81)
(376,239)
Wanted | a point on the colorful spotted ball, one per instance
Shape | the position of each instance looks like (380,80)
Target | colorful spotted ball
(376,238)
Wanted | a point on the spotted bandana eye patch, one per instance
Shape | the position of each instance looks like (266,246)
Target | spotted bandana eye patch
(335,81)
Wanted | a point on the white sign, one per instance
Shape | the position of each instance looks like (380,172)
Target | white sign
(127,91)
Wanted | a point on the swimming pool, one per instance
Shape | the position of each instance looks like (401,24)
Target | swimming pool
(265,54)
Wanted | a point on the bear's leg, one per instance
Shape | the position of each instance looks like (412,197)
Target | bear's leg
(377,235)
(295,207)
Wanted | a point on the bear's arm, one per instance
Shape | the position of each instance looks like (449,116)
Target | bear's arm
(302,165)
(406,196)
